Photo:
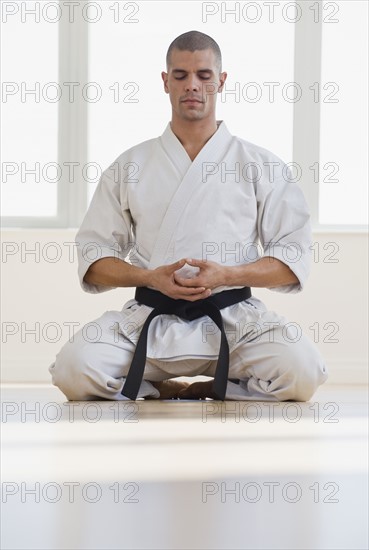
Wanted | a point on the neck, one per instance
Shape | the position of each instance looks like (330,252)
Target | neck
(193,134)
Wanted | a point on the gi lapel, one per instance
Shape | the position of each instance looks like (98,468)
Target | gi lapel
(192,176)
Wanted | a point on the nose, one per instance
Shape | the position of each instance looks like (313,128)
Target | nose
(192,84)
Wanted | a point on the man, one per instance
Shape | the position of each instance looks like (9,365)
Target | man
(203,216)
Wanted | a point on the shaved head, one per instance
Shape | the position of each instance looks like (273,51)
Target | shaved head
(192,41)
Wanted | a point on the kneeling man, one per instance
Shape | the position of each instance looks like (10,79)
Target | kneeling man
(202,216)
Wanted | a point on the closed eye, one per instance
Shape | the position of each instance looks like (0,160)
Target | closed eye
(200,76)
(180,74)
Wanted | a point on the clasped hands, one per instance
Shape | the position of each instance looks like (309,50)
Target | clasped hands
(167,280)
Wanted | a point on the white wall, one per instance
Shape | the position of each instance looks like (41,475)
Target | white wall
(38,290)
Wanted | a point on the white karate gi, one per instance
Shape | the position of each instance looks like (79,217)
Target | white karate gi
(233,204)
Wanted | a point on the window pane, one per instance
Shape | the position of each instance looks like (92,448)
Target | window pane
(126,61)
(344,115)
(29,110)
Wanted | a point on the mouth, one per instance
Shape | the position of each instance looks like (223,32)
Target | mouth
(190,101)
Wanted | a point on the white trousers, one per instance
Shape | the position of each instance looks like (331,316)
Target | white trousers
(275,365)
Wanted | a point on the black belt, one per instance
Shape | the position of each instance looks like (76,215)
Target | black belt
(185,309)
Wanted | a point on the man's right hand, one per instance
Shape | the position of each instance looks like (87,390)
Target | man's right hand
(114,272)
(162,279)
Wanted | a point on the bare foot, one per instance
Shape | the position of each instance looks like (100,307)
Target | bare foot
(197,390)
(170,389)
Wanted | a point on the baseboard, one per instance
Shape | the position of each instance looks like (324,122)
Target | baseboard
(20,369)
(347,372)
(35,370)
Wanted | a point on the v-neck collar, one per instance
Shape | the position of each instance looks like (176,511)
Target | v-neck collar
(178,154)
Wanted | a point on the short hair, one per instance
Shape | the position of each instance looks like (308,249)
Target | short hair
(195,40)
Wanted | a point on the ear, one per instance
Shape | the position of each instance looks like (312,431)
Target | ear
(222,79)
(164,77)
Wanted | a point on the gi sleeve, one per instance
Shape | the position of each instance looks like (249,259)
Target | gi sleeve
(284,228)
(106,230)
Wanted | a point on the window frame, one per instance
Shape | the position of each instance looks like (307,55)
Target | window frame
(306,116)
(73,125)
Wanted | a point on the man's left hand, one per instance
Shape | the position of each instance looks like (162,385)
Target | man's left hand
(210,275)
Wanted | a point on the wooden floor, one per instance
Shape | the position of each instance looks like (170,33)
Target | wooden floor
(184,475)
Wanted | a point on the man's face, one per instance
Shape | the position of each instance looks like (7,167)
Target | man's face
(192,82)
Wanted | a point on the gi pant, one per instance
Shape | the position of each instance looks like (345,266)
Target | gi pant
(275,362)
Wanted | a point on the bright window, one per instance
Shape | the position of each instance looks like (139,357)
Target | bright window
(116,51)
(344,115)
(30,92)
